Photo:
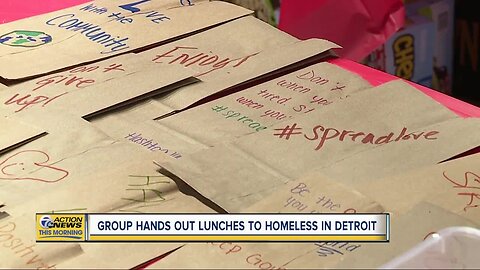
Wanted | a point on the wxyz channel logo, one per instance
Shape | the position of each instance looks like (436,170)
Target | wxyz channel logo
(66,227)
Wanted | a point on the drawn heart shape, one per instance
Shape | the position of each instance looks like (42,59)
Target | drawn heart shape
(33,162)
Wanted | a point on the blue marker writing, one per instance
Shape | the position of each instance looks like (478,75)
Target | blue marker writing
(92,32)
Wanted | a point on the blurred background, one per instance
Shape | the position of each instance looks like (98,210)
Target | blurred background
(434,43)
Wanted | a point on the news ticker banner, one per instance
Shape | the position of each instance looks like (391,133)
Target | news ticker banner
(212,227)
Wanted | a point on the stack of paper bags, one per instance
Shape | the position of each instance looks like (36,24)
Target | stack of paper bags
(155,107)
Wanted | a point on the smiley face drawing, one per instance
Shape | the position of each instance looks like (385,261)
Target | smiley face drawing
(30,165)
(24,38)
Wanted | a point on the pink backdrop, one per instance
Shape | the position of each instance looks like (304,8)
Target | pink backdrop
(11,10)
(359,26)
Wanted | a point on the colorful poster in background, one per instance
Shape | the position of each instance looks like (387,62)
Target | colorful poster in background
(368,23)
(408,54)
(12,10)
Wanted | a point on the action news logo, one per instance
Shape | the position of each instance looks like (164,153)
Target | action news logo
(61,227)
(47,222)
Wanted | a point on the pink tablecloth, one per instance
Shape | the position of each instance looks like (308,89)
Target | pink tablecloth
(376,77)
